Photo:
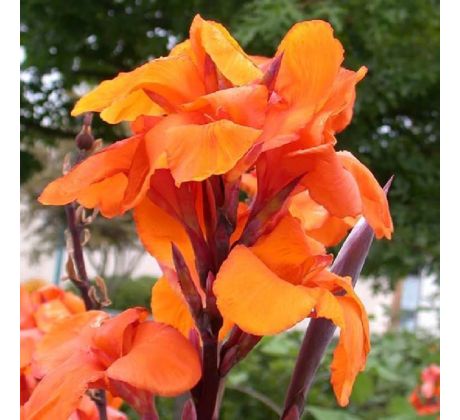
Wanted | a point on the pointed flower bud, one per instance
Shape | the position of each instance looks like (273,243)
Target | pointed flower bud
(85,138)
(188,288)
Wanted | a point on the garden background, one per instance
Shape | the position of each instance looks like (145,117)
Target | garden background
(67,49)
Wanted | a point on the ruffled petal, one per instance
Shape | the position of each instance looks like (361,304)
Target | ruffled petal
(317,222)
(159,76)
(112,337)
(351,352)
(311,61)
(169,307)
(208,37)
(65,338)
(59,393)
(157,230)
(256,299)
(375,203)
(245,105)
(48,313)
(161,361)
(130,107)
(107,195)
(354,342)
(289,253)
(73,303)
(327,181)
(195,152)
(109,161)
(343,98)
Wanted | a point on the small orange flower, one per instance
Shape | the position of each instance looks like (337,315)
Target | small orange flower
(42,305)
(127,355)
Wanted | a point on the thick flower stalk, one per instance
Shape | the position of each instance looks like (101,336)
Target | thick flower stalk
(237,190)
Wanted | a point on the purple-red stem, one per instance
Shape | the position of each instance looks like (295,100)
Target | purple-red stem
(209,385)
(75,234)
(82,283)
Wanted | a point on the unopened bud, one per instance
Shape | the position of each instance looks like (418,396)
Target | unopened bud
(85,139)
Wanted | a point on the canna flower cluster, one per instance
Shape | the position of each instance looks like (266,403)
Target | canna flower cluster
(127,355)
(43,307)
(237,190)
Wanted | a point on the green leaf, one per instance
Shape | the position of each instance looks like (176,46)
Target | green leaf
(331,414)
(400,405)
(363,388)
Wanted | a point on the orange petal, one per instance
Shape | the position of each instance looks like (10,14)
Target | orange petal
(330,281)
(107,195)
(49,313)
(245,105)
(112,337)
(354,342)
(109,161)
(343,98)
(169,306)
(27,309)
(289,253)
(73,303)
(29,339)
(327,306)
(157,230)
(311,61)
(58,394)
(130,107)
(316,220)
(337,111)
(65,338)
(159,76)
(49,292)
(309,212)
(327,181)
(375,203)
(212,38)
(195,152)
(245,287)
(351,352)
(161,361)
(333,230)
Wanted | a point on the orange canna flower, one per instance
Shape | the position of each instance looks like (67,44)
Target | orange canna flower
(207,121)
(193,134)
(41,306)
(127,355)
(286,266)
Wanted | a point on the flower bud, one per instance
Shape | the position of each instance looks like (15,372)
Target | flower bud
(85,138)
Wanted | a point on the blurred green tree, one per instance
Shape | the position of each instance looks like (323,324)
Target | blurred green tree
(67,49)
